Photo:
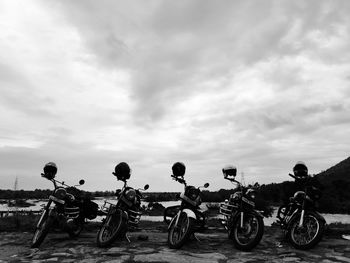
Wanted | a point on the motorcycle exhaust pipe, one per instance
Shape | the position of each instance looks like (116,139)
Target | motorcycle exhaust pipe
(301,222)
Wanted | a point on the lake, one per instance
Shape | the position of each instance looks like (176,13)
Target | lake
(38,204)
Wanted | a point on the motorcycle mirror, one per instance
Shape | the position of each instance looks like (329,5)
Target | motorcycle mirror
(206,185)
(146,187)
(82,181)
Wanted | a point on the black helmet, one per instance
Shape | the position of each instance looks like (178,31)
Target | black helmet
(229,170)
(122,171)
(179,169)
(300,170)
(50,170)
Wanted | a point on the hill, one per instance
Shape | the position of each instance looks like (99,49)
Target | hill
(340,171)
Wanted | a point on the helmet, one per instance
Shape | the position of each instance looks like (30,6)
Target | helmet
(179,169)
(50,170)
(300,170)
(229,170)
(122,171)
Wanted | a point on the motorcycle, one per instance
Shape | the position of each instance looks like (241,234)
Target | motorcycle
(188,218)
(245,225)
(301,223)
(67,209)
(120,217)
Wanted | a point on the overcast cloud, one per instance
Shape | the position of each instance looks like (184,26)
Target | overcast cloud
(87,84)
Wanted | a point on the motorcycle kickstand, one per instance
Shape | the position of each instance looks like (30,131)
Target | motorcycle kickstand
(196,238)
(127,238)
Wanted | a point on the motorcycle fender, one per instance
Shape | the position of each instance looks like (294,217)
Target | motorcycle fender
(173,220)
(258,213)
(320,217)
(298,214)
(190,213)
(111,213)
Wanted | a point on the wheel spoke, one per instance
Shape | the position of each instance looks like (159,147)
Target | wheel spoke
(249,231)
(306,234)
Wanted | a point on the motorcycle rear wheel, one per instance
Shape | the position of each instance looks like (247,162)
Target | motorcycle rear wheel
(42,230)
(309,234)
(247,237)
(114,226)
(178,235)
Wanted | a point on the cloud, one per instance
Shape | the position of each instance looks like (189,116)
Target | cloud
(171,49)
(258,84)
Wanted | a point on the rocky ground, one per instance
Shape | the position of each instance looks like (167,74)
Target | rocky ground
(213,246)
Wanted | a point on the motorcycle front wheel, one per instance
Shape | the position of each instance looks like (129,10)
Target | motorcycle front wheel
(179,234)
(42,229)
(248,236)
(309,234)
(113,226)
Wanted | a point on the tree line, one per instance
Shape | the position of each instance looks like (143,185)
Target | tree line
(335,195)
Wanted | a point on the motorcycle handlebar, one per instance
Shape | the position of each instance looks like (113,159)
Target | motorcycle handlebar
(180,180)
(293,176)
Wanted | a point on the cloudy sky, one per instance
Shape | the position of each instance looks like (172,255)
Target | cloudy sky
(87,84)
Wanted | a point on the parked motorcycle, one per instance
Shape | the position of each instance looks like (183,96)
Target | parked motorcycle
(299,219)
(124,214)
(189,218)
(67,208)
(244,224)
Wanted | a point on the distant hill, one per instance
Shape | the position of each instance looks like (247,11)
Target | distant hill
(336,188)
(340,171)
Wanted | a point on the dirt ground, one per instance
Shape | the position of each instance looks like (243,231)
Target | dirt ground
(150,245)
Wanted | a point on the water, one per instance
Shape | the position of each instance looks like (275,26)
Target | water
(38,204)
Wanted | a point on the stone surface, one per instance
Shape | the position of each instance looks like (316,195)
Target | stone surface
(214,247)
(291,259)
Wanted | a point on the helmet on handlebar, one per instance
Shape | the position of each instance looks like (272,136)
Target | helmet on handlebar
(122,171)
(50,170)
(179,169)
(229,170)
(300,170)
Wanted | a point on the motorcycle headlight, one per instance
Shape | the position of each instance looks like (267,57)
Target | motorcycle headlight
(71,197)
(60,193)
(251,193)
(235,197)
(299,196)
(193,194)
(130,194)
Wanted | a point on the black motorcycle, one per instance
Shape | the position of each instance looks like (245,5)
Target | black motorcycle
(245,225)
(123,215)
(299,219)
(66,209)
(188,219)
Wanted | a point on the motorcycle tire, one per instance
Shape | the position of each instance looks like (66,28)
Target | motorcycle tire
(75,228)
(236,230)
(113,227)
(42,230)
(310,220)
(183,230)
